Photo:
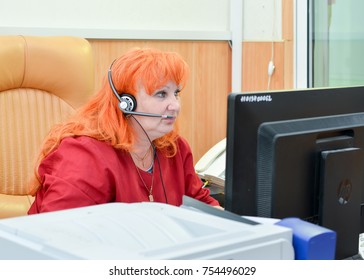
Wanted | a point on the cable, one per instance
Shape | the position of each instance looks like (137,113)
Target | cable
(156,155)
(271,66)
(161,175)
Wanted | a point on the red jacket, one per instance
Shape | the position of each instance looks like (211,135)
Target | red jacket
(83,171)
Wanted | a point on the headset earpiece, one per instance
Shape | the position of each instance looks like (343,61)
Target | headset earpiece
(127,102)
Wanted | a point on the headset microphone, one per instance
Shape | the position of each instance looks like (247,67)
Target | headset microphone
(127,102)
(145,114)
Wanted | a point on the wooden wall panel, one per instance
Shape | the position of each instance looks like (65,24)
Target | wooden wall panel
(256,57)
(212,84)
(204,100)
(287,20)
(288,37)
(288,76)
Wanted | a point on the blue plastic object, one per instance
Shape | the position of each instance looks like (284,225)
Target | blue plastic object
(310,241)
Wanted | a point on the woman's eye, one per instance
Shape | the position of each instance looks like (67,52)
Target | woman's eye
(176,93)
(161,93)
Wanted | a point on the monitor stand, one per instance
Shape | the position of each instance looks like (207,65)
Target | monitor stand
(341,189)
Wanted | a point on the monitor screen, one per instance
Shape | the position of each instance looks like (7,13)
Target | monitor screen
(298,153)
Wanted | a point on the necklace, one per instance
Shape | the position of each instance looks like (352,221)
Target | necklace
(149,190)
(142,158)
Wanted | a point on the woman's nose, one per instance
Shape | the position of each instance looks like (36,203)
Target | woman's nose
(174,103)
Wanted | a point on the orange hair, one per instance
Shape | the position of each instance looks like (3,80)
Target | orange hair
(100,118)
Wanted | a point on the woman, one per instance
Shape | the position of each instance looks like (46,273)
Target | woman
(122,146)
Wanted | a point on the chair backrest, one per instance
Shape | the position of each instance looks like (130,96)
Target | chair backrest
(43,79)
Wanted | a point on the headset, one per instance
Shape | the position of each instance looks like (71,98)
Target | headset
(127,102)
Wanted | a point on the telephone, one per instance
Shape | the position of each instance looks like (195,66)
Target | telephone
(211,166)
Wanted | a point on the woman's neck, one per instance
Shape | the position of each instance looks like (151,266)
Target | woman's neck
(143,156)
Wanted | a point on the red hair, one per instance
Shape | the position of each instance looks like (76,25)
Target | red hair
(100,118)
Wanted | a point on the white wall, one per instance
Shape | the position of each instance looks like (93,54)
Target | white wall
(118,18)
(144,19)
(262,20)
(117,14)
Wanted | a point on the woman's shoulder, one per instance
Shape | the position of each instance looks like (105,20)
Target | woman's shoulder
(182,141)
(87,143)
(82,139)
(183,144)
(88,148)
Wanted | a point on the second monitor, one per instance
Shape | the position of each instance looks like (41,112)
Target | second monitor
(287,153)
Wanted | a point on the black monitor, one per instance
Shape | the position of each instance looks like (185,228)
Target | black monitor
(299,153)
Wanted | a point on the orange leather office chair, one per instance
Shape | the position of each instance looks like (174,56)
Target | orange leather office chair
(42,81)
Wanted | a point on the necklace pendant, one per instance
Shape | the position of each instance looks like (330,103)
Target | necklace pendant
(151,199)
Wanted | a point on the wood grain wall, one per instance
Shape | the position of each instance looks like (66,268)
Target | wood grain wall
(204,100)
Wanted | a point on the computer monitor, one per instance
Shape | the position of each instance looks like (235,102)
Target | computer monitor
(287,152)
